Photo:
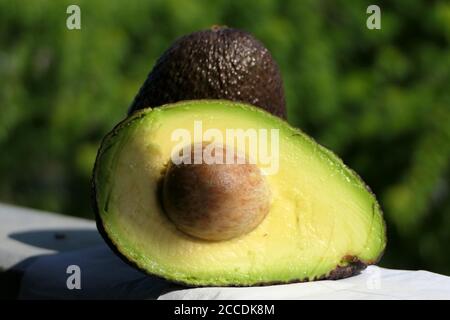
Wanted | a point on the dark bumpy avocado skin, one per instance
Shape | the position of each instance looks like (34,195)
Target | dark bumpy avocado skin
(352,267)
(220,63)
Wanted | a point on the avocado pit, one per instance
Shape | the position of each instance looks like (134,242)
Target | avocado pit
(215,201)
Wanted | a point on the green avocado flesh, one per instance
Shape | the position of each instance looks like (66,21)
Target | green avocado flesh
(322,217)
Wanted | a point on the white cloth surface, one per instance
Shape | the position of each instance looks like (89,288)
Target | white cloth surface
(25,233)
(104,275)
(373,283)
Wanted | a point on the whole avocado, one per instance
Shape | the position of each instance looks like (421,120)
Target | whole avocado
(219,63)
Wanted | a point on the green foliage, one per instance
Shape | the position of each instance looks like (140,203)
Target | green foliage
(378,98)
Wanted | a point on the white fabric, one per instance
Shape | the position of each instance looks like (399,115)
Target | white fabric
(373,283)
(103,275)
(25,233)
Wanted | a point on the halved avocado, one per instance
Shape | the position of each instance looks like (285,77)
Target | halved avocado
(322,223)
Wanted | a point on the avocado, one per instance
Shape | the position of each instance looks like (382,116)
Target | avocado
(166,208)
(219,63)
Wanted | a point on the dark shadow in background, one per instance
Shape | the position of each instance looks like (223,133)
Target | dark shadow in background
(59,239)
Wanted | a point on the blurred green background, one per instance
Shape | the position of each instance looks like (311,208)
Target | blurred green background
(379,98)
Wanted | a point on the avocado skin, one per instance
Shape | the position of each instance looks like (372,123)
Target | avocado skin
(219,63)
(353,267)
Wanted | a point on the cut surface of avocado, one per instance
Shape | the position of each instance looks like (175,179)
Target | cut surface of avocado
(323,222)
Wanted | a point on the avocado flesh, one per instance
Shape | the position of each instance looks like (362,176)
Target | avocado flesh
(323,222)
